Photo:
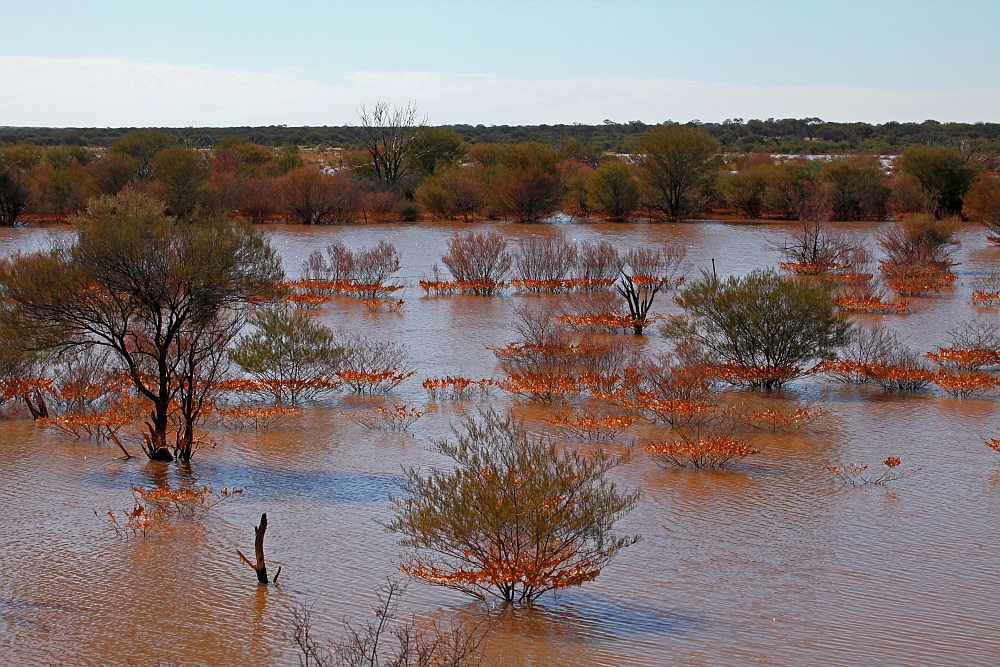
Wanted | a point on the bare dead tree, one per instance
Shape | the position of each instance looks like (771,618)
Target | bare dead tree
(639,299)
(391,136)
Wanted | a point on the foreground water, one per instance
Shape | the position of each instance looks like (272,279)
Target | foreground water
(774,563)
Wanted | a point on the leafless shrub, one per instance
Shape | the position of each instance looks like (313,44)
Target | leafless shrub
(986,289)
(365,266)
(371,366)
(337,265)
(545,258)
(921,240)
(598,262)
(861,474)
(479,259)
(817,249)
(659,263)
(387,640)
(878,356)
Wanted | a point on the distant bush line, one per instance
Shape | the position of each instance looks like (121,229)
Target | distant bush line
(786,135)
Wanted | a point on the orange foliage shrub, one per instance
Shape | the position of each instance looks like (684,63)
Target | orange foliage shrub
(255,417)
(592,427)
(706,452)
(870,304)
(777,420)
(449,287)
(397,418)
(152,505)
(965,384)
(561,285)
(860,474)
(455,388)
(886,376)
(371,382)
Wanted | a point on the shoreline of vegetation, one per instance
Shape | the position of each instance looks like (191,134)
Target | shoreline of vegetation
(394,167)
(785,135)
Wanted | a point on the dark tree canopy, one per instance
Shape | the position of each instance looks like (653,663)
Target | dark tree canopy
(161,296)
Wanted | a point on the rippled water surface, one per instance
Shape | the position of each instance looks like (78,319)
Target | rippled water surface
(772,564)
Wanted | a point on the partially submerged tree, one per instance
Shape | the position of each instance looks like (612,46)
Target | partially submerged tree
(155,293)
(515,518)
(292,357)
(482,260)
(764,326)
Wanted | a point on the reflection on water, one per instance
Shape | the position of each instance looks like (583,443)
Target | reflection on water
(773,563)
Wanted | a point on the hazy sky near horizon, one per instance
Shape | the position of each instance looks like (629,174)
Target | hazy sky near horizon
(298,62)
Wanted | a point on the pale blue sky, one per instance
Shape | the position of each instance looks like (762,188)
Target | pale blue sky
(212,62)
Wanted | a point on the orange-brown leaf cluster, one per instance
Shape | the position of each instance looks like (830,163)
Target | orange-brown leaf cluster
(243,417)
(965,358)
(372,381)
(885,375)
(606,321)
(565,285)
(448,287)
(705,452)
(396,418)
(964,384)
(986,298)
(918,279)
(532,569)
(455,388)
(870,304)
(776,420)
(593,428)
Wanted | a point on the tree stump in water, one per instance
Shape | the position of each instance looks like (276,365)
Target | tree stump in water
(260,567)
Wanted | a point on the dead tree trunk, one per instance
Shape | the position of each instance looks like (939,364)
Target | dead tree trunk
(260,567)
(639,301)
(38,409)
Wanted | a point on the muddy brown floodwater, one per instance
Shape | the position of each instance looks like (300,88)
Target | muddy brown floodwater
(773,563)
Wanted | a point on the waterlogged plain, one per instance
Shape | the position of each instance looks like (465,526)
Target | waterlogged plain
(773,562)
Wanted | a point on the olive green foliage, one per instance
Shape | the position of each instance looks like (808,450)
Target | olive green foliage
(982,203)
(293,358)
(182,173)
(763,321)
(944,173)
(526,183)
(773,135)
(13,195)
(162,297)
(289,158)
(859,189)
(454,193)
(439,149)
(142,145)
(678,165)
(514,517)
(613,190)
(746,190)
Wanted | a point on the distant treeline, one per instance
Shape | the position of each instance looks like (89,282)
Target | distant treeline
(787,135)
